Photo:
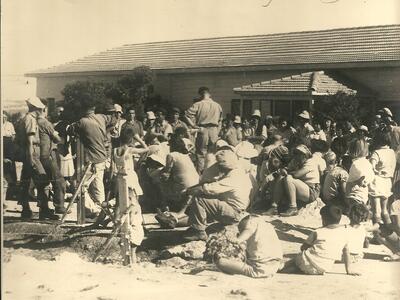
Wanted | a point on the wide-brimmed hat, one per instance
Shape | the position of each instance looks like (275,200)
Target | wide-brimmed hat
(305,115)
(246,150)
(35,102)
(256,113)
(237,120)
(150,115)
(227,159)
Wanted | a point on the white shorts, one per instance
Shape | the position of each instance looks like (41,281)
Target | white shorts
(381,187)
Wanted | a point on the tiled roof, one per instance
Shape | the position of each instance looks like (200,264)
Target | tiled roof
(349,45)
(314,83)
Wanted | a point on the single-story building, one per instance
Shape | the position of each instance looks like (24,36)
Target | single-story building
(366,58)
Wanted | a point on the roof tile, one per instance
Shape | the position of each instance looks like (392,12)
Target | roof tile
(360,44)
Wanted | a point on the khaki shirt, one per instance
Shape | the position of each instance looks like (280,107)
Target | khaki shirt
(205,112)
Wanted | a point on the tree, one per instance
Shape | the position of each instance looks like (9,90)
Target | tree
(342,107)
(134,89)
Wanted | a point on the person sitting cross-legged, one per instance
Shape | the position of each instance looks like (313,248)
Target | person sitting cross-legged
(223,200)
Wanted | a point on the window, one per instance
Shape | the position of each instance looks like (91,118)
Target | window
(235,107)
(247,108)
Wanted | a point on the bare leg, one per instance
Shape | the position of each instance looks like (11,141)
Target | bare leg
(231,266)
(296,189)
(376,209)
(385,213)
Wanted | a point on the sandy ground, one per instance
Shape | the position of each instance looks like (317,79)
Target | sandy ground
(61,270)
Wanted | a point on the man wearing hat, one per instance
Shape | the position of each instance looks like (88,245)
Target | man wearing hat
(233,132)
(150,126)
(258,129)
(304,129)
(205,115)
(29,141)
(223,200)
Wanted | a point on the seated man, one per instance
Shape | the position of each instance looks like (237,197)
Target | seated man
(223,200)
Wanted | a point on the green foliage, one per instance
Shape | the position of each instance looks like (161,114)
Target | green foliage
(342,107)
(132,90)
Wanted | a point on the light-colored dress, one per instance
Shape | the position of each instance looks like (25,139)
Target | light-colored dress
(123,167)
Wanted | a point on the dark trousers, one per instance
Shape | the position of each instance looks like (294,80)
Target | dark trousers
(203,210)
(37,174)
(54,176)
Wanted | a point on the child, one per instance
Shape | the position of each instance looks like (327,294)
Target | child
(361,173)
(357,230)
(300,182)
(122,168)
(334,186)
(318,149)
(263,250)
(383,161)
(325,245)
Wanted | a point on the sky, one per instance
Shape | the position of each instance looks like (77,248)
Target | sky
(37,34)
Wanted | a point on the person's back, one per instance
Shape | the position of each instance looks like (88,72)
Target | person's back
(264,244)
(332,184)
(92,130)
(183,172)
(205,112)
(234,188)
(327,244)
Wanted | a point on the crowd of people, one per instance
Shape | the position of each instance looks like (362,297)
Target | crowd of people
(198,166)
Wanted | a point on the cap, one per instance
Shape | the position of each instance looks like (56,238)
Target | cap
(150,115)
(304,149)
(222,144)
(176,110)
(118,108)
(305,115)
(256,113)
(363,128)
(386,111)
(110,107)
(279,152)
(36,102)
(237,120)
(246,150)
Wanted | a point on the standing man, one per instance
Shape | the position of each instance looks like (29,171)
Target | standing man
(135,125)
(205,115)
(29,140)
(48,157)
(92,130)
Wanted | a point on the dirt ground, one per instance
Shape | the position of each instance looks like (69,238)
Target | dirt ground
(61,268)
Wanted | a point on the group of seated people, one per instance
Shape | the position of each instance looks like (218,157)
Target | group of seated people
(265,167)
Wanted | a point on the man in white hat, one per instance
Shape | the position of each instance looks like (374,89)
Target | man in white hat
(232,133)
(304,129)
(28,139)
(258,129)
(205,115)
(223,200)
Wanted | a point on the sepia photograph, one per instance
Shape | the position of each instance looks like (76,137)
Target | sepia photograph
(200,149)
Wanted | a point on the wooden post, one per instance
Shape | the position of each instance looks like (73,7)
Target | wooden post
(80,161)
(124,204)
